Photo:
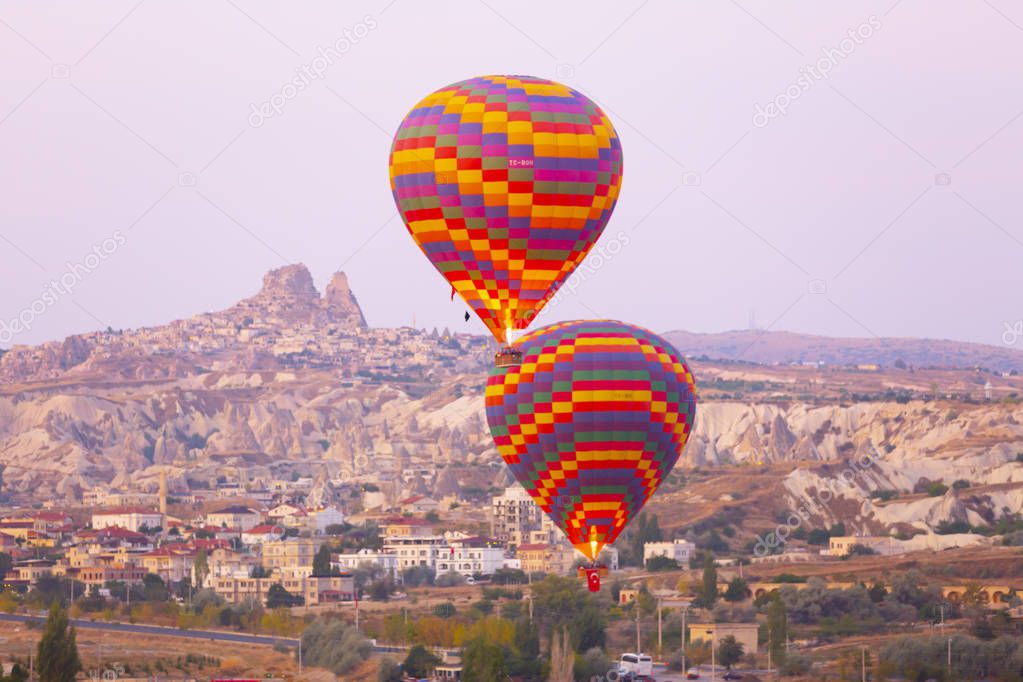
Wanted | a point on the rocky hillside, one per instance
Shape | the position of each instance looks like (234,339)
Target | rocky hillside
(291,382)
(839,459)
(769,347)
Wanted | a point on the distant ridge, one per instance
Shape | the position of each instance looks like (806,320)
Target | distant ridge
(771,347)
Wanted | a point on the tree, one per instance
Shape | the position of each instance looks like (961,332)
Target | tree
(525,659)
(335,645)
(449,579)
(18,674)
(817,536)
(444,610)
(647,529)
(380,590)
(661,563)
(482,661)
(698,652)
(6,563)
(737,590)
(321,562)
(201,568)
(277,597)
(562,602)
(389,671)
(729,651)
(414,576)
(594,665)
(777,628)
(709,586)
(420,661)
(562,658)
(58,651)
(154,587)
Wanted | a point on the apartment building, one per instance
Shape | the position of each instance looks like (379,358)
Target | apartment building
(472,557)
(514,515)
(291,556)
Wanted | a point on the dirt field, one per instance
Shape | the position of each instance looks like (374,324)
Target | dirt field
(110,650)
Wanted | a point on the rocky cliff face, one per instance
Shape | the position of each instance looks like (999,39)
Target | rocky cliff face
(340,302)
(58,444)
(857,450)
(288,295)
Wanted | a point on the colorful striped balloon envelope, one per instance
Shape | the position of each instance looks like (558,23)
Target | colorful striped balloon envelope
(505,183)
(591,422)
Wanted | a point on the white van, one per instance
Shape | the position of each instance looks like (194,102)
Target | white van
(640,665)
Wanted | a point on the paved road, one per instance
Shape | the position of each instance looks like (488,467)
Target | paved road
(157,630)
(661,674)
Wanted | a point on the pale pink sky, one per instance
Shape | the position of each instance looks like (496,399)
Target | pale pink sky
(132,121)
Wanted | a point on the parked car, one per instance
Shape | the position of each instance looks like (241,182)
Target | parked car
(732,675)
(693,674)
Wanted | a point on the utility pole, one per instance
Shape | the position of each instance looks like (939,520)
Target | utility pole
(530,607)
(863,664)
(638,649)
(941,607)
(950,657)
(713,656)
(685,610)
(300,654)
(770,636)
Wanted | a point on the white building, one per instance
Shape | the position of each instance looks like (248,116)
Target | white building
(319,520)
(236,516)
(416,550)
(679,550)
(132,518)
(473,556)
(842,545)
(263,533)
(383,561)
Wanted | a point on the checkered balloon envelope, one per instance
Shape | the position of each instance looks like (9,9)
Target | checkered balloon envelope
(590,422)
(506,183)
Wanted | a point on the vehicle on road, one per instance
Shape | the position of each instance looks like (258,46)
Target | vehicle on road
(693,674)
(731,675)
(640,665)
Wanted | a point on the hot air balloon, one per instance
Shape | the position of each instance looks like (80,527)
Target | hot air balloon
(591,422)
(505,183)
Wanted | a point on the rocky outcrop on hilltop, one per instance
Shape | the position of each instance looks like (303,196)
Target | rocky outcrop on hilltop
(289,296)
(341,304)
(286,307)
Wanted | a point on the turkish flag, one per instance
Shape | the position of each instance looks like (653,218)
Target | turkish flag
(593,579)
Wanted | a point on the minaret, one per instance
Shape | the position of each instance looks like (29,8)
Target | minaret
(163,493)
